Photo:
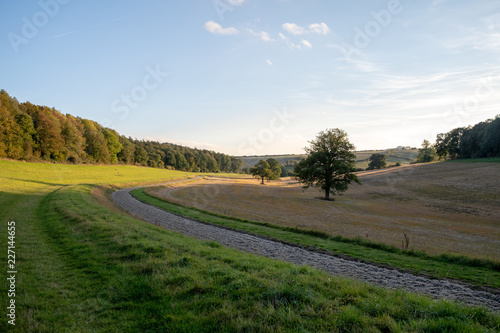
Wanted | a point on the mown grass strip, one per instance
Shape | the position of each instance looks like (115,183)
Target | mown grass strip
(115,274)
(478,272)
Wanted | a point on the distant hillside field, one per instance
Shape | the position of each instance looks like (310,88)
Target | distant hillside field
(439,205)
(362,157)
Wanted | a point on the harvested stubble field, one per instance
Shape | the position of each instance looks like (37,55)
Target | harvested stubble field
(443,207)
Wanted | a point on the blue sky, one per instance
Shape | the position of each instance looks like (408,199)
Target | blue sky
(248,77)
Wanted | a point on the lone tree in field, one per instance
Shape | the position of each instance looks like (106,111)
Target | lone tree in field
(330,163)
(261,170)
(377,161)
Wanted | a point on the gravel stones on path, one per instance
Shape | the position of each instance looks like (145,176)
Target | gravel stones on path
(389,278)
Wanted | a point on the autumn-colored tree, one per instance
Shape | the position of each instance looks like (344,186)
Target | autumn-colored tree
(97,146)
(74,140)
(48,138)
(33,132)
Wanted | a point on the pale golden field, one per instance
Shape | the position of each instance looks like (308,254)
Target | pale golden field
(443,207)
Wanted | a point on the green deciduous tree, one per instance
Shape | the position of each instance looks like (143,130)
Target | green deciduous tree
(377,161)
(113,143)
(261,170)
(140,156)
(180,162)
(275,167)
(126,155)
(236,165)
(330,163)
(478,141)
(284,171)
(427,153)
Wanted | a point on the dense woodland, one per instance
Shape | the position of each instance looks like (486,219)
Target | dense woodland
(478,141)
(39,133)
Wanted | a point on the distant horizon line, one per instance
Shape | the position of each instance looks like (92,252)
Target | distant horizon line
(363,150)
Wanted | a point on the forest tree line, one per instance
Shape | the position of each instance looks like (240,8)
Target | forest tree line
(478,141)
(39,133)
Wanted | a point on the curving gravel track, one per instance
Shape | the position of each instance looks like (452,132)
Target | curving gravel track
(384,277)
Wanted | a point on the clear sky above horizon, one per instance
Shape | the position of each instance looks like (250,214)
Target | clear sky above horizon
(252,77)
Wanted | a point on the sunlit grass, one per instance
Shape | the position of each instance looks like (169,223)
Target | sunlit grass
(84,268)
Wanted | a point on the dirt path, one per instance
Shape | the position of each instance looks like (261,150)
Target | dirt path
(336,266)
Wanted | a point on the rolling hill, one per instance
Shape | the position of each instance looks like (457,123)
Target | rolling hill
(394,155)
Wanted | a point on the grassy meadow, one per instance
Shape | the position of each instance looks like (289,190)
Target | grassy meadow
(83,267)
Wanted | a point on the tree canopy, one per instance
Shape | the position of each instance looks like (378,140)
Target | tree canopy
(478,141)
(330,163)
(377,161)
(275,167)
(39,133)
(427,153)
(262,170)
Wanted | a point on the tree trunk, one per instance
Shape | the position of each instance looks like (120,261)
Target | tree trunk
(263,181)
(327,195)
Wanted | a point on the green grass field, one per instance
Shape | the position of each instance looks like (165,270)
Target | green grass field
(84,268)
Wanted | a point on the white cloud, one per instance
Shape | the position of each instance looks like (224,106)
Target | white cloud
(319,28)
(300,45)
(216,28)
(265,37)
(294,29)
(482,37)
(305,43)
(236,2)
(269,62)
(262,35)
(316,28)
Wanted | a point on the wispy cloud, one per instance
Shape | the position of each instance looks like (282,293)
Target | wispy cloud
(216,28)
(486,37)
(451,96)
(262,35)
(317,28)
(236,2)
(305,43)
(358,60)
(293,28)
